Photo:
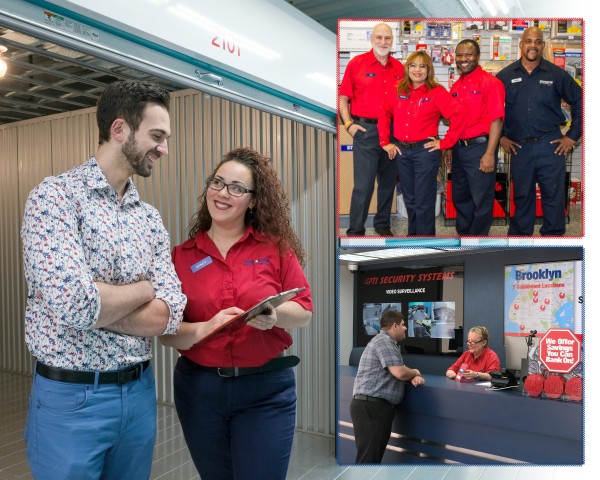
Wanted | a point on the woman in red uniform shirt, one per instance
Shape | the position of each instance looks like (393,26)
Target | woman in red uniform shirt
(234,391)
(416,111)
(478,361)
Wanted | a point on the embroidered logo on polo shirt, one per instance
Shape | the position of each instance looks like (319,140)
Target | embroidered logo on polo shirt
(205,262)
(257,261)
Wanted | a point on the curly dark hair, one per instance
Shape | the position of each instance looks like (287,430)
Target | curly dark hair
(271,215)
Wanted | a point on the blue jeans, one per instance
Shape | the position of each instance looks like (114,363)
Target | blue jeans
(371,162)
(83,432)
(537,162)
(237,428)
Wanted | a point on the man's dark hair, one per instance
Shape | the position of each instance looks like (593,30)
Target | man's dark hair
(467,41)
(127,99)
(389,318)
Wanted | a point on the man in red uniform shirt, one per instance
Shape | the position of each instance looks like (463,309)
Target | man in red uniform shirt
(481,95)
(368,79)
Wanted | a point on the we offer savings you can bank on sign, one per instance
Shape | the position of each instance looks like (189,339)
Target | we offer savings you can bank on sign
(560,350)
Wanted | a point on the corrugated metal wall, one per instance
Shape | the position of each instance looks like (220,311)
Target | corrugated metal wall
(204,128)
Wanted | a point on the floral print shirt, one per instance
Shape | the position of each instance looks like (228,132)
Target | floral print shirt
(76,232)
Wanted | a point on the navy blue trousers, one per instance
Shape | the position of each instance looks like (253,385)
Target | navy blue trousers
(417,175)
(472,190)
(371,162)
(537,162)
(237,428)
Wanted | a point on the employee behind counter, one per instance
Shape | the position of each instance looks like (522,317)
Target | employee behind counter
(478,360)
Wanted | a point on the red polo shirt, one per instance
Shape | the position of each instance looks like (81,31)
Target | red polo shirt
(367,83)
(417,114)
(486,362)
(253,270)
(481,98)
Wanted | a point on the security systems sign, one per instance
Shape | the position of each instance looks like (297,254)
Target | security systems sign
(560,350)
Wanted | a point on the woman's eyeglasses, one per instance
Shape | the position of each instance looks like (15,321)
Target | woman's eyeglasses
(469,342)
(233,188)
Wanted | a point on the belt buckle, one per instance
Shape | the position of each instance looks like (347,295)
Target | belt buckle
(221,370)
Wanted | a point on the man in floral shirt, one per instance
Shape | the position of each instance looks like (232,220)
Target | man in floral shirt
(101,283)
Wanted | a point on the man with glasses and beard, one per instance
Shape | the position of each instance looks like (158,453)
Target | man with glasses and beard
(101,283)
(535,89)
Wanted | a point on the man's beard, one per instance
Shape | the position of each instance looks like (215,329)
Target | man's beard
(135,157)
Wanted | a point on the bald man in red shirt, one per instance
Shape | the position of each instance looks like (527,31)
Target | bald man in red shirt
(368,79)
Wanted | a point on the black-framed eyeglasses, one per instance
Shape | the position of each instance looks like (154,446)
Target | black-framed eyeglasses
(469,342)
(233,188)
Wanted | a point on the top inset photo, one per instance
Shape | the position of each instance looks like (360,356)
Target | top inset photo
(460,128)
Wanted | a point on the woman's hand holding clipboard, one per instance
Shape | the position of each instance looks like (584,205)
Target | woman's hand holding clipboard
(264,307)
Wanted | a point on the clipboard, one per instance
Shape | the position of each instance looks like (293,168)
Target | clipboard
(260,307)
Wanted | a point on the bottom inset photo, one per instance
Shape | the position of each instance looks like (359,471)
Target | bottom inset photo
(468,356)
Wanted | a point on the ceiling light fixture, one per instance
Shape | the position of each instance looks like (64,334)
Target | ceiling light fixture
(3,65)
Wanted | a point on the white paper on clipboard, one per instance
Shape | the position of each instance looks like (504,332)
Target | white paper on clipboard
(273,300)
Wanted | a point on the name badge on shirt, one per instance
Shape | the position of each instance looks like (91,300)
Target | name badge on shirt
(205,262)
(516,80)
(403,97)
(546,82)
(371,75)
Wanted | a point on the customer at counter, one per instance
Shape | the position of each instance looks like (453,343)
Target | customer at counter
(379,388)
(477,361)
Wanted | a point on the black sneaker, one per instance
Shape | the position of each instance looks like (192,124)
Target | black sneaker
(384,231)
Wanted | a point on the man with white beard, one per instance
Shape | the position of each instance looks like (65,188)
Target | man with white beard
(368,79)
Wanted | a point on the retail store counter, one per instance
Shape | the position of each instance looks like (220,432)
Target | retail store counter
(445,421)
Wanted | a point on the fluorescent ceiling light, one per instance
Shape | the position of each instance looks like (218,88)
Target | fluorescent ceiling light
(357,257)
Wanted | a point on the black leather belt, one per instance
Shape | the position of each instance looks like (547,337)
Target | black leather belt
(364,120)
(410,145)
(472,141)
(532,139)
(278,363)
(119,377)
(367,398)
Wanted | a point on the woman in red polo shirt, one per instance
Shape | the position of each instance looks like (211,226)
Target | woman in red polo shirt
(234,391)
(416,110)
(478,361)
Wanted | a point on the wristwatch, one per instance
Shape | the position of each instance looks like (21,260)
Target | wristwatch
(477,376)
